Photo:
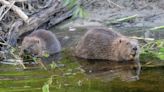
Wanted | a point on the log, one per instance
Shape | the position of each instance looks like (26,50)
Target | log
(32,23)
(46,15)
(39,18)
(61,13)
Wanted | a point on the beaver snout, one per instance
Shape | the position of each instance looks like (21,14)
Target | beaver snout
(135,48)
(134,54)
(134,51)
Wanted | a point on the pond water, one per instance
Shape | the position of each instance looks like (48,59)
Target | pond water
(73,75)
(71,78)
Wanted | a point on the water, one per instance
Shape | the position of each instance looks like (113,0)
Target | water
(71,78)
(68,75)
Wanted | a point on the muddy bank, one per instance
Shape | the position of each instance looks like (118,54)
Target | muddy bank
(150,13)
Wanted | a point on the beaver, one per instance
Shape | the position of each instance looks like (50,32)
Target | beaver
(40,42)
(106,44)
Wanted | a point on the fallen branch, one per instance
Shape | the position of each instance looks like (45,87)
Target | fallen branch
(39,18)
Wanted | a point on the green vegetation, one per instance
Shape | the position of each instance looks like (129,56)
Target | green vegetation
(157,28)
(79,10)
(120,20)
(153,50)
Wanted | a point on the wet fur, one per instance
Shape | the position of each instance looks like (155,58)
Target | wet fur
(106,44)
(40,42)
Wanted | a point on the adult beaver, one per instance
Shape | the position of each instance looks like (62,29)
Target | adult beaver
(106,44)
(40,42)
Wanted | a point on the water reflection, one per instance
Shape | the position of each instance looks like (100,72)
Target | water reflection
(108,70)
(42,62)
(52,58)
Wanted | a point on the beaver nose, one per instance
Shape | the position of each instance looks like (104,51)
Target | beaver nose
(135,48)
(25,50)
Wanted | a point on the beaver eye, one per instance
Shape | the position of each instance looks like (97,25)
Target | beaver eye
(127,43)
(120,41)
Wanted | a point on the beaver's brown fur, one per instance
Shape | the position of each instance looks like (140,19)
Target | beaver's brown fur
(105,44)
(102,43)
(41,42)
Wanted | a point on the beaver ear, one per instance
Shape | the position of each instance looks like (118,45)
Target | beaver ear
(120,40)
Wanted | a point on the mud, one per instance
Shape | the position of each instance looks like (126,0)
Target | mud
(150,13)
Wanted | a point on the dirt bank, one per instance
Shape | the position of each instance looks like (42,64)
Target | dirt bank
(150,13)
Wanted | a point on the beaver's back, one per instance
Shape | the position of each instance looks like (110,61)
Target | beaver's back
(95,43)
(111,34)
(49,38)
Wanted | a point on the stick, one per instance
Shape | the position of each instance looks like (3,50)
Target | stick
(39,18)
(20,0)
(126,18)
(16,10)
(151,66)
(156,28)
(109,1)
(7,10)
(2,9)
(18,59)
(141,38)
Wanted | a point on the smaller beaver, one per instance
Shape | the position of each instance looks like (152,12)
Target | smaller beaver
(40,42)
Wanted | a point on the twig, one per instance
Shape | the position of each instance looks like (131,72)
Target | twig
(156,28)
(3,43)
(41,63)
(7,10)
(18,59)
(109,1)
(15,9)
(2,9)
(126,18)
(13,29)
(151,66)
(20,0)
(141,38)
